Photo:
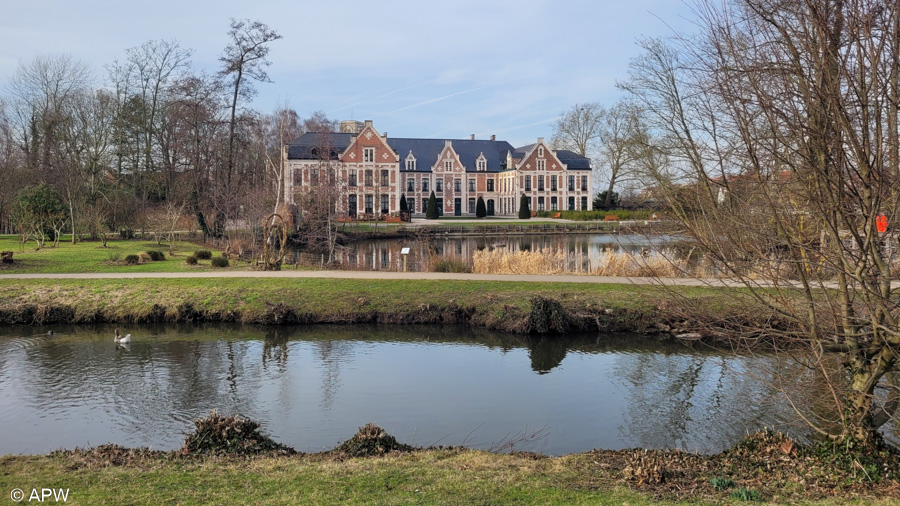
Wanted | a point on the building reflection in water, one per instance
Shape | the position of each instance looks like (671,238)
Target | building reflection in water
(582,251)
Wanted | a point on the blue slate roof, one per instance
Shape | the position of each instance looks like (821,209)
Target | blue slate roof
(302,148)
(426,151)
(573,160)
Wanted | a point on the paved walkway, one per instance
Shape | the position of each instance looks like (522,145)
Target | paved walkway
(384,275)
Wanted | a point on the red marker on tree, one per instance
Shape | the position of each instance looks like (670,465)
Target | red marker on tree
(881,223)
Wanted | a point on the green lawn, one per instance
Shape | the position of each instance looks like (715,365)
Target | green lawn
(91,256)
(435,477)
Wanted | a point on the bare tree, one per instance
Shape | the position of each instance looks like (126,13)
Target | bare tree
(781,122)
(42,90)
(617,134)
(579,128)
(323,200)
(244,57)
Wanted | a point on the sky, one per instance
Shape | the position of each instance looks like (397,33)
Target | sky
(416,68)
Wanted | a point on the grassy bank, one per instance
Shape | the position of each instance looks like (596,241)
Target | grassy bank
(506,306)
(432,477)
(759,468)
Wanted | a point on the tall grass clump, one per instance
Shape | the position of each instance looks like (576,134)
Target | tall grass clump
(448,263)
(609,263)
(521,262)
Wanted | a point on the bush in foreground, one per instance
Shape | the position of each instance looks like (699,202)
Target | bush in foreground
(191,260)
(219,262)
(229,435)
(372,440)
(132,259)
(203,254)
(157,256)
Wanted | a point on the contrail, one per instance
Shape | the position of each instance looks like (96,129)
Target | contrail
(433,100)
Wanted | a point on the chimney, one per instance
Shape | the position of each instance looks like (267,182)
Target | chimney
(472,137)
(368,122)
(493,137)
(540,139)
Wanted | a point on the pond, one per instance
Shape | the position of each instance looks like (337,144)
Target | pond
(314,386)
(582,251)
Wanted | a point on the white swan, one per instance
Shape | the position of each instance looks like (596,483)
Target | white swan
(122,339)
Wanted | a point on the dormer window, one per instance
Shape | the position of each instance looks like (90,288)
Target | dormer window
(481,163)
(368,154)
(410,162)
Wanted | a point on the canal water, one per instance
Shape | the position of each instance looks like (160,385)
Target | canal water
(313,386)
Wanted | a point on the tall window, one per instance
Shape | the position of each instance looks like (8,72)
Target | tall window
(425,185)
(540,206)
(457,185)
(471,185)
(552,183)
(571,183)
(584,206)
(411,204)
(471,206)
(553,203)
(528,183)
(542,164)
(583,183)
(490,185)
(571,203)
(410,184)
(385,178)
(541,151)
(439,185)
(313,177)
(385,202)
(540,183)
(368,178)
(368,154)
(424,205)
(351,180)
(298,177)
(369,204)
(448,165)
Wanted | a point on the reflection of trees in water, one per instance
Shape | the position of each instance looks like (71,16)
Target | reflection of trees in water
(674,396)
(275,348)
(331,353)
(697,401)
(546,353)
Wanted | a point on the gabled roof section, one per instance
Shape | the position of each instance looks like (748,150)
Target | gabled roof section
(467,150)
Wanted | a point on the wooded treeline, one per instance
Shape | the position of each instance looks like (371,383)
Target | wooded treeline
(149,141)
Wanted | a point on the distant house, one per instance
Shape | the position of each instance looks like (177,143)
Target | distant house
(373,171)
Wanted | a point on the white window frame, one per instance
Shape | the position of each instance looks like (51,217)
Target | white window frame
(368,154)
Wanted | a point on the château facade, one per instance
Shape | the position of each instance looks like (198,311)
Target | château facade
(370,172)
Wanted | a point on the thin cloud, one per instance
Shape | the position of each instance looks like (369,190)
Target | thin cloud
(433,100)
